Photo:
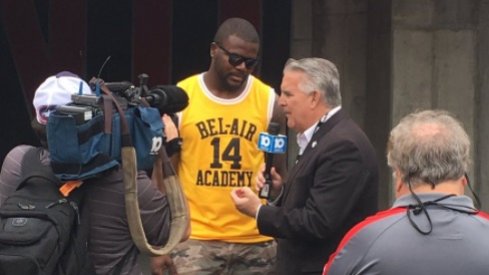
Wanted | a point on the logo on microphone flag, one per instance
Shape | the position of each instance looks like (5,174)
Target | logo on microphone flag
(274,144)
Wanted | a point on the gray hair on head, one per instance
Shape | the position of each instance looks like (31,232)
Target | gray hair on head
(429,147)
(322,75)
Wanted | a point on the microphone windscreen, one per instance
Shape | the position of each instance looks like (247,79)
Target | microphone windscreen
(176,98)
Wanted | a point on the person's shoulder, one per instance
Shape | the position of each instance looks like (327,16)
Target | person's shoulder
(260,83)
(347,128)
(192,84)
(15,157)
(375,225)
(19,151)
(357,245)
(483,215)
(189,80)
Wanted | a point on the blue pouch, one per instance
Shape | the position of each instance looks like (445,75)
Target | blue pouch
(146,129)
(84,150)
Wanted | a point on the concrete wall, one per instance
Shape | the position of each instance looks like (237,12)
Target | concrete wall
(356,37)
(438,63)
(482,99)
(335,30)
(398,56)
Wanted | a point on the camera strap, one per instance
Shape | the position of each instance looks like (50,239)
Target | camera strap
(165,176)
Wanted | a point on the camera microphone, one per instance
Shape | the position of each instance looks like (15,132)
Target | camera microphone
(167,99)
(271,143)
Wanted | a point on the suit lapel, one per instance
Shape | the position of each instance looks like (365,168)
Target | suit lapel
(322,131)
(311,146)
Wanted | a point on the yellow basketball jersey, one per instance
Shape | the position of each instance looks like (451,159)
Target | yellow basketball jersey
(219,152)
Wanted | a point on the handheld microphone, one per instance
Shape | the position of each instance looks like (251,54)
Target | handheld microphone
(167,99)
(271,143)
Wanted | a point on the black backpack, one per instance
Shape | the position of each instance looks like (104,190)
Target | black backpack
(41,231)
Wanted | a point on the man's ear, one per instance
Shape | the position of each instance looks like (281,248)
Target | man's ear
(212,49)
(398,182)
(40,131)
(315,98)
(465,180)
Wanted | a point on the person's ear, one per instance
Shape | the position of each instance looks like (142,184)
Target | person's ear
(398,183)
(40,131)
(315,98)
(213,49)
(465,180)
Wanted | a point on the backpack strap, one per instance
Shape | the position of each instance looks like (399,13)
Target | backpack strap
(33,167)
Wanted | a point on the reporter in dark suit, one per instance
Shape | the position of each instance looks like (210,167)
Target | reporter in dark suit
(331,187)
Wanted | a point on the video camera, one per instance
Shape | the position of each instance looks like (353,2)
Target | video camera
(86,136)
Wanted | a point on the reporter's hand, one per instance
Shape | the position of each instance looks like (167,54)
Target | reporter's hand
(246,201)
(161,263)
(276,181)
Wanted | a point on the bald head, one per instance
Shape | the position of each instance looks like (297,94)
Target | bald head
(429,147)
(238,27)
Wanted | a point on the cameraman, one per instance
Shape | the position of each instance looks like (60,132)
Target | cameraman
(110,244)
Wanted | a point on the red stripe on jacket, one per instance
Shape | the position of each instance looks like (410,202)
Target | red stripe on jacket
(354,230)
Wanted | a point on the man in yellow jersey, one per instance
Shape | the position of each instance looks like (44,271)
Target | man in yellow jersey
(228,109)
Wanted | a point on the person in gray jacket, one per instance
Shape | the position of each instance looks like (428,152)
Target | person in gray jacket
(110,244)
(432,228)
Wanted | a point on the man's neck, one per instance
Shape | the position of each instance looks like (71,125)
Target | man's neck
(455,187)
(214,85)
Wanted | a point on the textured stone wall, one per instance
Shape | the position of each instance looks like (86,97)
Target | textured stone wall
(398,56)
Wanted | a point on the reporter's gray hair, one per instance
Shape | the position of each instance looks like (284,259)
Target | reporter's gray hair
(429,147)
(322,76)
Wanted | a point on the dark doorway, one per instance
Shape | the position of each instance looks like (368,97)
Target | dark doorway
(166,39)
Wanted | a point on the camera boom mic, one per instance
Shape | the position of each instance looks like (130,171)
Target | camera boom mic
(167,99)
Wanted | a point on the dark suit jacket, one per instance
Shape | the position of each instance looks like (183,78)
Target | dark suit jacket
(331,188)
